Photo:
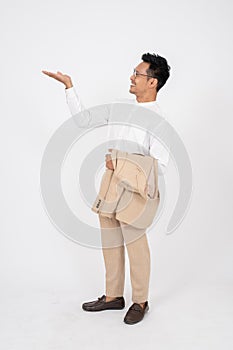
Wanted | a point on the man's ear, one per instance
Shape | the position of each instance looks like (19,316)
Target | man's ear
(153,83)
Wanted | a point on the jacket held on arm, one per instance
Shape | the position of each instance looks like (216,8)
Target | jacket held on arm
(129,192)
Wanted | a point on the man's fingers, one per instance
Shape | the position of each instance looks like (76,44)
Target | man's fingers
(109,165)
(46,72)
(50,74)
(108,161)
(58,76)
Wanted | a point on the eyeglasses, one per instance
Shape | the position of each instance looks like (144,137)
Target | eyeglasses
(135,73)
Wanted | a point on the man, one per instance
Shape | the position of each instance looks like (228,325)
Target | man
(147,79)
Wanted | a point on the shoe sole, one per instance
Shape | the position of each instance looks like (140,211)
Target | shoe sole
(109,308)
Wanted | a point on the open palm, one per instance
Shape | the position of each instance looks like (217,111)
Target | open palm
(59,76)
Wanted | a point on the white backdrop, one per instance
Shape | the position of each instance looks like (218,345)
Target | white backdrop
(98,43)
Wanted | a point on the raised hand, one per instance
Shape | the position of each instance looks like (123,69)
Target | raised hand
(59,76)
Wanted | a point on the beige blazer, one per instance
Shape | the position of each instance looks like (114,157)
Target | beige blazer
(129,192)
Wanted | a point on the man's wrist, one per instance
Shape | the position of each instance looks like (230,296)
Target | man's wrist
(69,85)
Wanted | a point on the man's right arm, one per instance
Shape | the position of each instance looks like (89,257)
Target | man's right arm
(84,118)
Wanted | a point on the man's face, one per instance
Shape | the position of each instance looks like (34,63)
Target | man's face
(139,84)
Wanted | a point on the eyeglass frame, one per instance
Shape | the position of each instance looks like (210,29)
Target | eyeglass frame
(135,74)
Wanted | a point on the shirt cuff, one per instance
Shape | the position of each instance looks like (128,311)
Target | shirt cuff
(70,92)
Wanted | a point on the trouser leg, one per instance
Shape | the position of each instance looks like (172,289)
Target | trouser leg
(139,259)
(114,256)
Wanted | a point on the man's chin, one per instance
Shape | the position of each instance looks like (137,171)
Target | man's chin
(131,90)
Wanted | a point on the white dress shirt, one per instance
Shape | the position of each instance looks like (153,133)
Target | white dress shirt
(144,142)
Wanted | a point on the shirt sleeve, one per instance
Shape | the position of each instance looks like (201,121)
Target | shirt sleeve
(73,101)
(86,118)
(160,146)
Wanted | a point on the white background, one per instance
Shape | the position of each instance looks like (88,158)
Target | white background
(44,276)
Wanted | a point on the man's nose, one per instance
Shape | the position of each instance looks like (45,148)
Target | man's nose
(132,78)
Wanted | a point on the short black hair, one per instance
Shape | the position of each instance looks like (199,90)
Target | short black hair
(158,68)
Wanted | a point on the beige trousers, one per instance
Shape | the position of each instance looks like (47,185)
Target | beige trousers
(114,236)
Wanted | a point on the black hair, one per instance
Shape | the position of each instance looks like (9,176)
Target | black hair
(158,68)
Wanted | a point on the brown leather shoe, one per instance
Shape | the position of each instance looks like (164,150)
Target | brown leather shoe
(98,305)
(136,313)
